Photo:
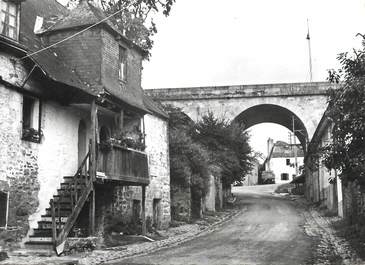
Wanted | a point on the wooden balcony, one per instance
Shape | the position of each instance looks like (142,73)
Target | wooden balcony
(123,165)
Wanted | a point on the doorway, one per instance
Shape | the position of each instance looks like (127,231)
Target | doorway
(157,213)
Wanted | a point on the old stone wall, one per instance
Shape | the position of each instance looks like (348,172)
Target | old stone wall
(157,149)
(354,203)
(18,162)
(219,193)
(18,159)
(209,199)
(181,203)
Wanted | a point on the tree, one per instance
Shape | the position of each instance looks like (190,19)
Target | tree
(135,19)
(347,111)
(188,159)
(228,147)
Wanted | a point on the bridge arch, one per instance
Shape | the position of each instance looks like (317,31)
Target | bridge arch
(307,102)
(262,113)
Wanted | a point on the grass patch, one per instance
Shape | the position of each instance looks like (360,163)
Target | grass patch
(354,234)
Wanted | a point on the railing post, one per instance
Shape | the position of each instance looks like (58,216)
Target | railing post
(92,213)
(54,231)
(59,214)
(75,187)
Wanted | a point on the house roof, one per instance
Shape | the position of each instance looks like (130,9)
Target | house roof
(282,149)
(58,17)
(83,14)
(154,107)
(86,14)
(48,60)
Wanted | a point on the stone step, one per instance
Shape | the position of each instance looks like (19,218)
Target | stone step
(39,243)
(64,211)
(40,240)
(48,218)
(42,233)
(68,179)
(66,192)
(68,185)
(48,225)
(62,198)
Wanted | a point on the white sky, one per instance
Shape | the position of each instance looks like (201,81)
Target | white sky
(215,42)
(228,42)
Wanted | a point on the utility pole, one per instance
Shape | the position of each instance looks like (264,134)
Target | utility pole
(295,147)
(310,54)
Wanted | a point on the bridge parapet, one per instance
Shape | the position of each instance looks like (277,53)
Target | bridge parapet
(241,91)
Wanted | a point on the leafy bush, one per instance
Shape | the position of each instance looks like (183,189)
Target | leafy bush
(210,147)
(227,144)
(346,110)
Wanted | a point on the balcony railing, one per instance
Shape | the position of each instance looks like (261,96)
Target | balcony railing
(123,164)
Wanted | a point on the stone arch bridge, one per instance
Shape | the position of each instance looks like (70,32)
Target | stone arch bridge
(305,103)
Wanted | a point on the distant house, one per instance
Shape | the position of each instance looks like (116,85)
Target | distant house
(283,161)
(79,139)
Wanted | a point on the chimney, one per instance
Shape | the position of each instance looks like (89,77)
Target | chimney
(270,144)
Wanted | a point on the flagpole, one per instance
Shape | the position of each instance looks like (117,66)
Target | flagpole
(310,54)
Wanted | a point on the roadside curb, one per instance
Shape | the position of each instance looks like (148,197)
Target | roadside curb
(102,257)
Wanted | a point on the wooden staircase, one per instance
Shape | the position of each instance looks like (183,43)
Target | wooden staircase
(57,223)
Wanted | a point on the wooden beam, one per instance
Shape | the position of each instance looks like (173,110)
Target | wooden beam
(93,129)
(92,213)
(121,120)
(54,227)
(144,229)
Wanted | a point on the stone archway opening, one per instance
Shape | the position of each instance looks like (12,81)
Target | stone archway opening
(269,113)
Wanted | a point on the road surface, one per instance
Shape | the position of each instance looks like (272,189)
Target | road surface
(270,231)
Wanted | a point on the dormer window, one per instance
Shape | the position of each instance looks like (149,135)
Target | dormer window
(9,18)
(122,63)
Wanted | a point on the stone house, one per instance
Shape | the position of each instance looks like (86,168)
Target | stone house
(79,139)
(283,161)
(322,186)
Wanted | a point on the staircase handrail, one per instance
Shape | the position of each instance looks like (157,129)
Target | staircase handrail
(77,205)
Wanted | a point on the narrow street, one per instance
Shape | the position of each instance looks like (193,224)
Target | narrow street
(269,231)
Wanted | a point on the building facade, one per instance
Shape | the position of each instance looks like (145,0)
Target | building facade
(321,185)
(79,139)
(283,161)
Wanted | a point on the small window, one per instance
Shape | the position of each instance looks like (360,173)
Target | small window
(284,176)
(9,19)
(122,63)
(31,119)
(288,162)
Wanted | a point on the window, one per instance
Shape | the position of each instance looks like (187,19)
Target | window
(9,19)
(122,63)
(288,162)
(284,176)
(31,119)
